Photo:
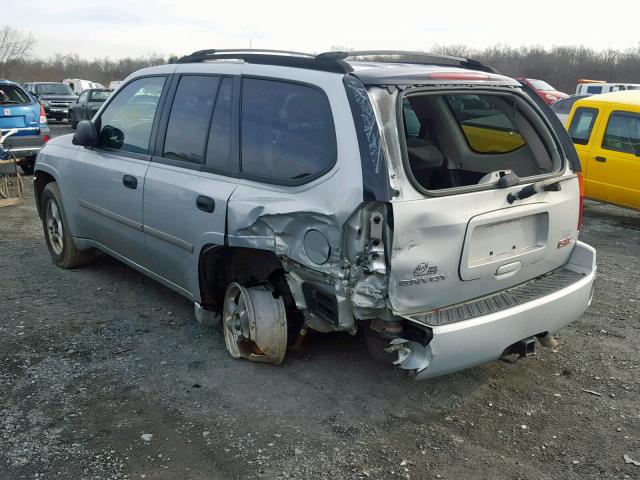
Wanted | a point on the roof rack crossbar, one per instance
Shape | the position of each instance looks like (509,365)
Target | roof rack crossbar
(202,55)
(458,61)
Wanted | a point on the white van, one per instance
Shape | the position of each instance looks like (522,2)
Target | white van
(596,88)
(78,85)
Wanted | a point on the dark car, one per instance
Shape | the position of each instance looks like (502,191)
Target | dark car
(54,97)
(19,111)
(87,105)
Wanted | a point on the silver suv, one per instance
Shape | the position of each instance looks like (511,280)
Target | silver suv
(424,200)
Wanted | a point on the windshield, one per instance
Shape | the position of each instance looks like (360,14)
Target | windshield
(540,85)
(53,89)
(13,95)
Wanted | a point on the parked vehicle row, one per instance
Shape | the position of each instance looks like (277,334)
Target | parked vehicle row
(20,111)
(435,207)
(56,98)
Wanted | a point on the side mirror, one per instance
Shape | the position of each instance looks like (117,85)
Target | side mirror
(86,134)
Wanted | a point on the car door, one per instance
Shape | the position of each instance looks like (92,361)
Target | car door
(584,127)
(110,177)
(191,177)
(613,163)
(78,107)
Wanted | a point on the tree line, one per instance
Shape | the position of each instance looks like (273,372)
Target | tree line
(560,66)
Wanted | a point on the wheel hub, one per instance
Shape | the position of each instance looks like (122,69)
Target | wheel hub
(255,324)
(54,227)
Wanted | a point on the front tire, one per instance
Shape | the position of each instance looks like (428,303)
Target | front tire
(62,249)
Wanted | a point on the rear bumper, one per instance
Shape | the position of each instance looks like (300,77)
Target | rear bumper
(28,145)
(481,339)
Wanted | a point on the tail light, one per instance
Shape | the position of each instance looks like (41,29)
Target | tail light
(581,187)
(46,138)
(43,116)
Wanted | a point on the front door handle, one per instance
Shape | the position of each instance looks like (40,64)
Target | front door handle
(206,204)
(601,159)
(130,181)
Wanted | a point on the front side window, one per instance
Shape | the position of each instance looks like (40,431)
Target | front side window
(83,97)
(126,123)
(622,133)
(190,117)
(582,125)
(287,131)
(486,123)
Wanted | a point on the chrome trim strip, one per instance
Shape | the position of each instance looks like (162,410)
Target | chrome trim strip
(20,129)
(168,238)
(25,149)
(109,214)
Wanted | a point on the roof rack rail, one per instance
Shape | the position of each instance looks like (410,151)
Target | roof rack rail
(455,61)
(284,58)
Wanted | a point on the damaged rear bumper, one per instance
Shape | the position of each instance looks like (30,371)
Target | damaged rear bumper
(467,343)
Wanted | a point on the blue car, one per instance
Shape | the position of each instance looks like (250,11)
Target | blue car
(19,110)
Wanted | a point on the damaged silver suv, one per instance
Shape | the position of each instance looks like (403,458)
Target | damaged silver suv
(425,200)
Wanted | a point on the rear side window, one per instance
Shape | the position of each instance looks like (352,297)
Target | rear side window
(189,118)
(126,123)
(622,133)
(287,131)
(484,122)
(13,95)
(582,125)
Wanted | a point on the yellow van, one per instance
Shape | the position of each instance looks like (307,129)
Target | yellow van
(606,133)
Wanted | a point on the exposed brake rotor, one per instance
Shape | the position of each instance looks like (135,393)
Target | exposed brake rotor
(255,324)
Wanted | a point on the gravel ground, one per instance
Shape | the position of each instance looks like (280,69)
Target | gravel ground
(104,374)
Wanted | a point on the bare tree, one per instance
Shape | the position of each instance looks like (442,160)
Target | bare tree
(15,45)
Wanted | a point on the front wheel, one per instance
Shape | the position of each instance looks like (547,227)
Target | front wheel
(62,249)
(72,119)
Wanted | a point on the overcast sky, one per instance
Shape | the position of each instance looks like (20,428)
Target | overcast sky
(117,28)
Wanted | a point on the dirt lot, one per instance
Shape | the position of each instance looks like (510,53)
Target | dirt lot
(105,374)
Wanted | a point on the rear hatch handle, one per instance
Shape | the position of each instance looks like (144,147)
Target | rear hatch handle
(543,186)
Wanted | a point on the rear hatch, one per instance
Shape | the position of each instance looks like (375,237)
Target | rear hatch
(18,110)
(459,157)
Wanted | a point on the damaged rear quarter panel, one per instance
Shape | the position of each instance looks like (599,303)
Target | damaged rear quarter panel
(276,218)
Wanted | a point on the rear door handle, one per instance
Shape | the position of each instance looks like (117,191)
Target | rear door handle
(601,159)
(130,181)
(206,204)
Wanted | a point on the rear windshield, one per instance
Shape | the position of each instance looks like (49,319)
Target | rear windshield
(541,85)
(13,95)
(460,139)
(98,96)
(53,89)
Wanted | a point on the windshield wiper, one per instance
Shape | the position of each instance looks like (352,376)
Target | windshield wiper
(530,190)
